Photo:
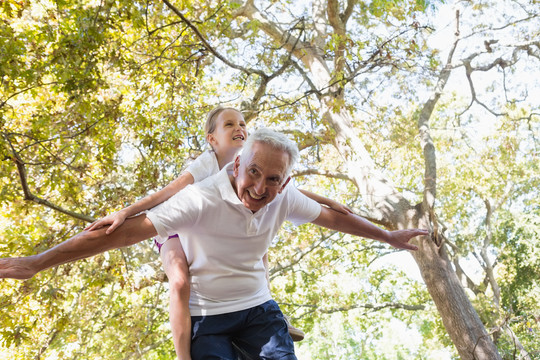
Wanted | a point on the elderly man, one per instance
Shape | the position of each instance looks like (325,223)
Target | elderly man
(226,224)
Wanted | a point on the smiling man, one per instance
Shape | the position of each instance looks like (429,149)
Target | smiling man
(226,224)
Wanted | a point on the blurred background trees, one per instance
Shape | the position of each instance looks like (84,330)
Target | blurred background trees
(413,113)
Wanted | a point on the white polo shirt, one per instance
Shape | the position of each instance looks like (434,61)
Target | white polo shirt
(225,242)
(205,165)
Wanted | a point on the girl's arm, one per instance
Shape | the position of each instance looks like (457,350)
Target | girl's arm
(116,219)
(334,205)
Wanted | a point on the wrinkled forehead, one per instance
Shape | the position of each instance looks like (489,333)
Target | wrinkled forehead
(266,157)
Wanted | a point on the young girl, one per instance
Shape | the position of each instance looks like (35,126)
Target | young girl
(226,133)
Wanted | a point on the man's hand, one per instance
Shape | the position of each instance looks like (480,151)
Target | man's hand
(400,238)
(17,268)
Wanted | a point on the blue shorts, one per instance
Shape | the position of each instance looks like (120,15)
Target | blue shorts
(260,332)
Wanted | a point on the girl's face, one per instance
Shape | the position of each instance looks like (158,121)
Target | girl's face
(230,132)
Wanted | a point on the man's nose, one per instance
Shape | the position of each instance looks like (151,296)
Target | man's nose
(260,186)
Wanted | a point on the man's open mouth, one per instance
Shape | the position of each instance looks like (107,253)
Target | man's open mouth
(255,196)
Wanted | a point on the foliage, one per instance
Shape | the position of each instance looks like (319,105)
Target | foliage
(102,102)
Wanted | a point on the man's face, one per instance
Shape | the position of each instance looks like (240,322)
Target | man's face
(260,175)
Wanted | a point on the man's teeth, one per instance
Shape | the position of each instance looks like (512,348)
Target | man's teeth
(238,137)
(255,196)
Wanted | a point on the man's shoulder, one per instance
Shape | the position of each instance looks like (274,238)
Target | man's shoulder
(287,196)
(212,182)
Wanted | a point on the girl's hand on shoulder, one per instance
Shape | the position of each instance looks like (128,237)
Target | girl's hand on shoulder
(114,220)
(334,205)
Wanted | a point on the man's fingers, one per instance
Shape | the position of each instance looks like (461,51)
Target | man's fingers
(418,232)
(414,233)
(411,247)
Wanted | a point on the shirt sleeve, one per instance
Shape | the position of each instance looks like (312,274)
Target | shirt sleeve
(178,213)
(203,166)
(301,209)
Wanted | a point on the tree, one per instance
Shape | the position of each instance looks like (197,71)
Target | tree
(338,77)
(321,52)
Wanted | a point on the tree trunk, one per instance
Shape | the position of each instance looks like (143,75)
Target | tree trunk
(459,317)
(386,204)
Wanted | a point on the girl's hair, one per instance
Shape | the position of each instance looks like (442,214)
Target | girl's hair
(277,141)
(212,116)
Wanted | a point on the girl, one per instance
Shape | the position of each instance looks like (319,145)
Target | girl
(226,133)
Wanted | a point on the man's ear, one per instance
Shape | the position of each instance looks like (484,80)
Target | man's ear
(236,165)
(284,184)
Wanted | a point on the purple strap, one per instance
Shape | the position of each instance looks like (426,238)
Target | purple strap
(160,245)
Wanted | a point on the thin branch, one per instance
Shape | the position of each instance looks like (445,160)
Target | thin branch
(209,47)
(370,307)
(251,12)
(3,103)
(281,267)
(500,62)
(21,168)
(325,173)
(48,343)
(430,159)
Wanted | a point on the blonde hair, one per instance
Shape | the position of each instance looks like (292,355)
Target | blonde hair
(210,125)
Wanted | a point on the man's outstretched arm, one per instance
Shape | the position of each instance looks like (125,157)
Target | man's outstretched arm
(356,225)
(80,246)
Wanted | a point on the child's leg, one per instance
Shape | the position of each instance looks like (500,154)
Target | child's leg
(175,266)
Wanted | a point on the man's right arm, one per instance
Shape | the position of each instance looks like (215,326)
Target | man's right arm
(80,246)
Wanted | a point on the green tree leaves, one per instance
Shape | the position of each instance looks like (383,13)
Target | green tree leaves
(103,102)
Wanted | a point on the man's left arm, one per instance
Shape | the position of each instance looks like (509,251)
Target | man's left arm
(356,225)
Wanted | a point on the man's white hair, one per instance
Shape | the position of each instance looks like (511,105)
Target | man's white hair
(276,140)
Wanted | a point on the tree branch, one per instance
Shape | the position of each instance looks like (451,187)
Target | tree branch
(21,168)
(499,61)
(251,12)
(298,256)
(370,307)
(430,159)
(209,47)
(463,276)
(325,173)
